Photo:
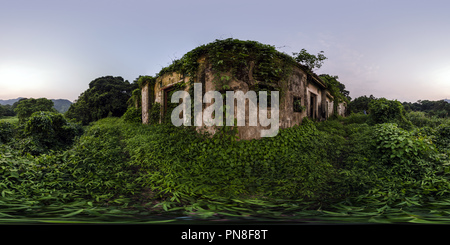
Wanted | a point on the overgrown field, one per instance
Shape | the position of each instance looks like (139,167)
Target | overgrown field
(342,170)
(12,120)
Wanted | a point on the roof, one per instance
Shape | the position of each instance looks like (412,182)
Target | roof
(319,81)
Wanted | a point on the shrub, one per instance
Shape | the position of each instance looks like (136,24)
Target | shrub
(443,136)
(6,132)
(359,118)
(155,113)
(410,162)
(388,111)
(420,119)
(133,115)
(387,165)
(46,131)
(332,127)
(26,107)
(396,144)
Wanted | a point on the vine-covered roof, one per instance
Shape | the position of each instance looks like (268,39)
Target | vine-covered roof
(236,55)
(269,64)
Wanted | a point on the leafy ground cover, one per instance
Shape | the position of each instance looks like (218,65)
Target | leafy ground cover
(12,120)
(346,170)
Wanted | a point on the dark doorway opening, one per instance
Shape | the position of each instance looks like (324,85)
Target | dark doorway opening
(312,105)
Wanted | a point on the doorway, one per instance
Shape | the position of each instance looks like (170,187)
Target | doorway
(312,105)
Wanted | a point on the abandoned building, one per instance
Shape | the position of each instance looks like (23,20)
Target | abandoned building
(235,65)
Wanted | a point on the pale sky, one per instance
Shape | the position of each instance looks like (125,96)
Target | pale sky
(54,48)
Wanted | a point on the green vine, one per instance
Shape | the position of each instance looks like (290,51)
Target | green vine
(238,58)
(144,80)
(336,89)
(154,113)
(259,65)
(170,106)
(298,105)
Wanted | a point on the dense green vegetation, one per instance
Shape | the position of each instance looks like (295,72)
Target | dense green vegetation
(106,96)
(6,111)
(336,89)
(439,109)
(26,107)
(7,106)
(430,109)
(343,170)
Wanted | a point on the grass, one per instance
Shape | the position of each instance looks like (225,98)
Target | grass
(13,120)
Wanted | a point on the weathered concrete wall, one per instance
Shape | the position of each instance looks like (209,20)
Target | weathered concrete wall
(298,85)
(329,106)
(296,88)
(165,82)
(162,83)
(145,104)
(342,109)
(314,101)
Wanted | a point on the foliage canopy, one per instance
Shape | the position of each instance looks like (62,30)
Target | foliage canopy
(383,110)
(309,60)
(106,96)
(26,107)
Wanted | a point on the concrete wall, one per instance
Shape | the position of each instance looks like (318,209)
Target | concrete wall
(298,85)
(342,107)
(146,103)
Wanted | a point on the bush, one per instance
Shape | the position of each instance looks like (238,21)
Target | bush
(410,162)
(443,136)
(26,107)
(6,132)
(359,118)
(388,111)
(155,113)
(45,131)
(133,115)
(332,127)
(420,119)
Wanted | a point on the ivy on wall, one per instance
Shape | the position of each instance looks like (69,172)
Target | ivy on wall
(261,66)
(236,57)
(336,89)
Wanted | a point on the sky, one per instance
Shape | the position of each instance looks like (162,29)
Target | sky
(55,48)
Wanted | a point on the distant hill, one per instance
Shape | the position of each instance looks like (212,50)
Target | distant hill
(61,105)
(447,100)
(10,101)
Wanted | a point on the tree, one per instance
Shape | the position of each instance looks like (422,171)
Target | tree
(383,110)
(336,89)
(309,60)
(439,108)
(344,92)
(26,107)
(46,131)
(106,96)
(360,104)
